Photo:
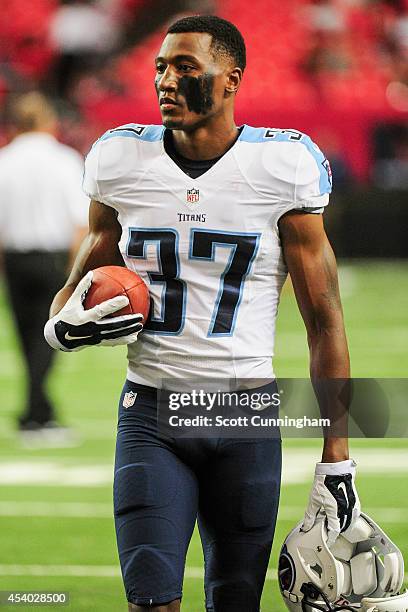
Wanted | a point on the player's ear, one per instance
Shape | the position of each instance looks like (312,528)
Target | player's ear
(233,81)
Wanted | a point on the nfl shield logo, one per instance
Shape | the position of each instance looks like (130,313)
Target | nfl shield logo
(129,399)
(193,195)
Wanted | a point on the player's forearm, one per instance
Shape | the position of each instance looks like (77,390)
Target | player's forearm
(96,250)
(330,372)
(329,356)
(335,449)
(99,248)
(61,299)
(81,265)
(78,238)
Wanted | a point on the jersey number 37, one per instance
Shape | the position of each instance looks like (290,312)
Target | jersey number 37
(243,248)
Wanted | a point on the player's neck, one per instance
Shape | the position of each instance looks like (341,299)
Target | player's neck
(207,141)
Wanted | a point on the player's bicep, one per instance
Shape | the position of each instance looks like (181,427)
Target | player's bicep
(312,267)
(103,219)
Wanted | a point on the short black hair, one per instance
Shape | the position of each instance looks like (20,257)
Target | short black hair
(226,38)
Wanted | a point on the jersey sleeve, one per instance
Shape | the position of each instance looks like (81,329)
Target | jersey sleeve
(313,179)
(106,168)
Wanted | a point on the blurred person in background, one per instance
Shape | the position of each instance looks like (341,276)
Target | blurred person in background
(43,216)
(325,16)
(83,34)
(330,53)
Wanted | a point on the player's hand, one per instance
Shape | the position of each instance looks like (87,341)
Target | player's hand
(335,494)
(74,328)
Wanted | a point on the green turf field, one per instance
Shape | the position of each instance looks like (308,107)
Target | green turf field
(55,505)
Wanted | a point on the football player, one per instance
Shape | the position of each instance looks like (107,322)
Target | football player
(212,216)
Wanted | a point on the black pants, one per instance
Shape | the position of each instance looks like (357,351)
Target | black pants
(33,278)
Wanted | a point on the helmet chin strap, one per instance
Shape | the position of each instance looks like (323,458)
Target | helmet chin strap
(309,590)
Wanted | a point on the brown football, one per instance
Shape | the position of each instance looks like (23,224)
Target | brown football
(110,281)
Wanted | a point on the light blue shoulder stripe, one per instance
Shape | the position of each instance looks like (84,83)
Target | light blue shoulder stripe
(325,181)
(251,134)
(148,133)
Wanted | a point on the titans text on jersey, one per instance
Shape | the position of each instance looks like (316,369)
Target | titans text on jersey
(208,248)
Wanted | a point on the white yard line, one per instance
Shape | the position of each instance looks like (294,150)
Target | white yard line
(298,466)
(78,571)
(56,509)
(54,473)
(104,511)
(87,571)
(88,429)
(96,571)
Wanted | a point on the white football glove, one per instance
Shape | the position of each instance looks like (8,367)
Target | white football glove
(335,494)
(75,328)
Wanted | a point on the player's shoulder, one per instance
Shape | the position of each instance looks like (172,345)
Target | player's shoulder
(124,146)
(118,154)
(287,154)
(135,132)
(116,142)
(283,139)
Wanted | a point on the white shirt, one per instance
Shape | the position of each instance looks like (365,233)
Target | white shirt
(41,200)
(208,248)
(82,28)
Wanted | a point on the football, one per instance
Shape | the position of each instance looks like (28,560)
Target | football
(110,281)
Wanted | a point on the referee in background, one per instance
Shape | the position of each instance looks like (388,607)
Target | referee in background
(43,218)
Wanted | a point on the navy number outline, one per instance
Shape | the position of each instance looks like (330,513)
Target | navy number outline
(203,244)
(171,321)
(244,247)
(293,134)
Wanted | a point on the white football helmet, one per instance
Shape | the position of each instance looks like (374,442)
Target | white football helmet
(363,571)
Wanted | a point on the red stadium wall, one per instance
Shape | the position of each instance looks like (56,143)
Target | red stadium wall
(335,80)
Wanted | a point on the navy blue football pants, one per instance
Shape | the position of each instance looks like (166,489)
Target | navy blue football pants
(162,485)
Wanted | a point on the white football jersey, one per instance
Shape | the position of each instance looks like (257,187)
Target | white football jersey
(208,248)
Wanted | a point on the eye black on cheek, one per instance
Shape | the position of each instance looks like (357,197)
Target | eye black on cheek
(198,92)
